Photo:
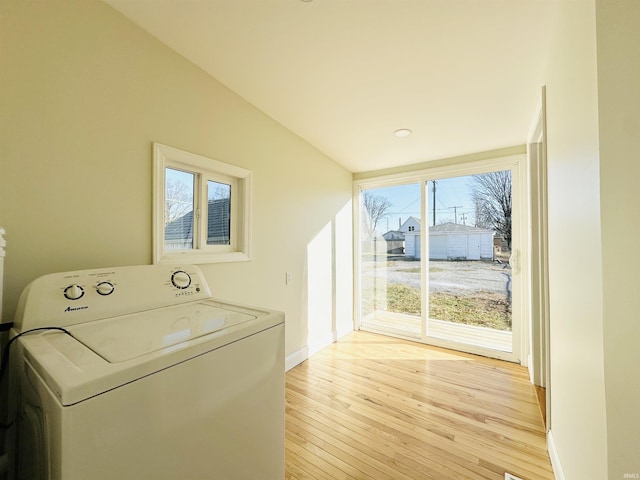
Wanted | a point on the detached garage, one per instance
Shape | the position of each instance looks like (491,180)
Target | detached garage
(451,241)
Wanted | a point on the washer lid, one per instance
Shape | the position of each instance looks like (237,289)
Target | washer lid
(129,336)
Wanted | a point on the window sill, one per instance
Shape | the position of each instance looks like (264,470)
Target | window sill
(198,258)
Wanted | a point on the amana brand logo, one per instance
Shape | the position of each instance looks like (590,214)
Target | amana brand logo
(73,309)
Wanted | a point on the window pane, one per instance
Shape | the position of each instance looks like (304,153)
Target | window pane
(218,213)
(469,248)
(390,274)
(178,210)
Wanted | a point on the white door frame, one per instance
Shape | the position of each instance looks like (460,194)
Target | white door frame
(539,364)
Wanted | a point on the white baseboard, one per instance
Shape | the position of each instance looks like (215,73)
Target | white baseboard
(554,457)
(296,358)
(305,352)
(529,366)
(319,343)
(341,332)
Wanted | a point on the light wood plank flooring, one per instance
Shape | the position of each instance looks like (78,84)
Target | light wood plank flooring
(376,407)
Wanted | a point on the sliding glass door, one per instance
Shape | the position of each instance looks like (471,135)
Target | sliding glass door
(438,258)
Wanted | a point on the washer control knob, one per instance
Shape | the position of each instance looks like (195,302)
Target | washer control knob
(73,292)
(180,279)
(105,288)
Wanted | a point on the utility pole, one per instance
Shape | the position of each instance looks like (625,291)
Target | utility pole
(464,218)
(434,202)
(455,211)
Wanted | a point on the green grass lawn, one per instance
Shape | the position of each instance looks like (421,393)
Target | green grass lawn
(489,310)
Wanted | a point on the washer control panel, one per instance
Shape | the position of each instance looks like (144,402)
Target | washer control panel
(70,298)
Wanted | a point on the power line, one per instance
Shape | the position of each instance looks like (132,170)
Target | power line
(455,211)
(407,206)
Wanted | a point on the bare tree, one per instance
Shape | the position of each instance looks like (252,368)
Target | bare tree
(375,209)
(218,191)
(178,200)
(492,198)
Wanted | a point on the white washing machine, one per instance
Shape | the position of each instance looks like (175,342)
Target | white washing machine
(154,380)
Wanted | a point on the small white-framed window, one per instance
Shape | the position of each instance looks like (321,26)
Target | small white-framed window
(201,208)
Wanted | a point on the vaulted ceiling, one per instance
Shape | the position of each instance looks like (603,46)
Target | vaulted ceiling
(463,75)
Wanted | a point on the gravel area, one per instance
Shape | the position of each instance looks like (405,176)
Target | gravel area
(454,277)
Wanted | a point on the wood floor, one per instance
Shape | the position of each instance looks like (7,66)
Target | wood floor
(375,407)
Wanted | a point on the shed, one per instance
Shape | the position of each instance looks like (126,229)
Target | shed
(451,241)
(395,242)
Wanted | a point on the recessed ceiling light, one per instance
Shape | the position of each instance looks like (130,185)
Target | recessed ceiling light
(402,132)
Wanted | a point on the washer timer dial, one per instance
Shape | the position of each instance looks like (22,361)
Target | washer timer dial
(180,279)
(73,292)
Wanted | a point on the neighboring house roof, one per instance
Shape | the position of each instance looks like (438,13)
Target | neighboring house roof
(450,227)
(409,221)
(393,235)
(182,228)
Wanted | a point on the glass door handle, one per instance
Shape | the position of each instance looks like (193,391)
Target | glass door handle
(514,261)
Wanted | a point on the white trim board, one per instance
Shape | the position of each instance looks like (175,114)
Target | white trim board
(302,354)
(554,457)
(296,358)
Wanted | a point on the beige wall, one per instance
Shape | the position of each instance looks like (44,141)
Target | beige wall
(578,422)
(593,149)
(83,94)
(618,35)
